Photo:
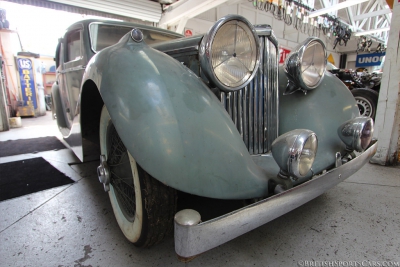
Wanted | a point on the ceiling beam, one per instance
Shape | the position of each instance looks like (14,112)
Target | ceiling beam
(369,10)
(350,15)
(188,9)
(372,14)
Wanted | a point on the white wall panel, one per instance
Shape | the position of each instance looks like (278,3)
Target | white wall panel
(249,14)
(264,19)
(198,26)
(224,10)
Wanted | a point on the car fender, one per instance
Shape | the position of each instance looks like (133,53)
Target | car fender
(57,107)
(173,125)
(321,110)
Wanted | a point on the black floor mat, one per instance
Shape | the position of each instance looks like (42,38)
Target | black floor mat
(23,177)
(23,146)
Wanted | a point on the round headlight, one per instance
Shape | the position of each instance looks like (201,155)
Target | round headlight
(295,152)
(230,53)
(357,133)
(305,66)
(313,64)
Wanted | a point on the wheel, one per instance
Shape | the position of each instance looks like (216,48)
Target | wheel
(143,207)
(367,101)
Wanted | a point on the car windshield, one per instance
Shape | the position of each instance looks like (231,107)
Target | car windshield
(104,35)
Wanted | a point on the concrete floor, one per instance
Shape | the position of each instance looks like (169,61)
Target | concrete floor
(74,225)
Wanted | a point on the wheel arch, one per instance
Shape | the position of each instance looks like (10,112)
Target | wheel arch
(91,104)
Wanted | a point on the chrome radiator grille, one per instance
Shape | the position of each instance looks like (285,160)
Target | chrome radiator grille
(254,108)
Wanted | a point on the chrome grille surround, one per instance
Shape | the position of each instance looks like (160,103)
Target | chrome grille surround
(254,108)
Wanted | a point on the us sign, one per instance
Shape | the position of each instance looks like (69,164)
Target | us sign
(367,60)
(27,80)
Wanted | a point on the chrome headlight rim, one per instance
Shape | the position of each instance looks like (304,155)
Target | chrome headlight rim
(357,133)
(205,53)
(292,66)
(289,151)
(297,154)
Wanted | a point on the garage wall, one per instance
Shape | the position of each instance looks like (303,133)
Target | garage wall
(287,36)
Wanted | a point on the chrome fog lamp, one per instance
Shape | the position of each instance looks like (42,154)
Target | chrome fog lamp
(305,66)
(230,53)
(295,152)
(357,133)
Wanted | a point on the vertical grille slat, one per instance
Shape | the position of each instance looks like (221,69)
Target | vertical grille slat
(251,118)
(245,117)
(254,109)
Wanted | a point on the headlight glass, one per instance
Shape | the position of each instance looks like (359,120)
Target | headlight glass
(313,64)
(295,152)
(366,134)
(230,53)
(234,54)
(305,66)
(308,155)
(357,133)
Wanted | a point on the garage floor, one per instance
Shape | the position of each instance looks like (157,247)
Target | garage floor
(73,225)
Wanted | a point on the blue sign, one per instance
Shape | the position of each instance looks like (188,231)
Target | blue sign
(367,60)
(25,69)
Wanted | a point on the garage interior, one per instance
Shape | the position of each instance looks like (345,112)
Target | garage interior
(358,220)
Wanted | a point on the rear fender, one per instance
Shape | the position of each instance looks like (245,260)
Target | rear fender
(58,107)
(173,125)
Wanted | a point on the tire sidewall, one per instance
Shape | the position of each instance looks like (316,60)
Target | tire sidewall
(132,230)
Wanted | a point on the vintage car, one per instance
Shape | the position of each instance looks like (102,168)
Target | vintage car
(211,115)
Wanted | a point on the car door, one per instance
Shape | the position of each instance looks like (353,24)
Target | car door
(71,72)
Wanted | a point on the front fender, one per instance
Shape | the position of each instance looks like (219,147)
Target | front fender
(173,125)
(321,110)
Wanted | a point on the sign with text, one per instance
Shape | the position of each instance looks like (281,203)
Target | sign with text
(27,80)
(367,60)
(283,53)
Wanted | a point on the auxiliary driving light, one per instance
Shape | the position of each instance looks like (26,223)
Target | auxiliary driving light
(357,133)
(295,152)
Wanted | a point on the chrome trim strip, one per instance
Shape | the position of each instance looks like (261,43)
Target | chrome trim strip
(182,50)
(263,30)
(251,118)
(196,239)
(267,104)
(81,67)
(245,116)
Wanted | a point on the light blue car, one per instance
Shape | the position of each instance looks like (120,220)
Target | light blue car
(213,116)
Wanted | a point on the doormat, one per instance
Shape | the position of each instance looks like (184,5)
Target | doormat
(24,146)
(23,177)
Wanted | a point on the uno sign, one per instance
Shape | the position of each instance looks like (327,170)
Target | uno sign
(367,60)
(283,53)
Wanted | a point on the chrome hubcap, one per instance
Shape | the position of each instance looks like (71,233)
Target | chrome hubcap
(364,106)
(103,172)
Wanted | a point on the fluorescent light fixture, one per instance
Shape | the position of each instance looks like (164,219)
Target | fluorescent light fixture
(335,7)
(371,31)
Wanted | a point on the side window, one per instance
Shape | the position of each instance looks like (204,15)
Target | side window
(73,46)
(58,54)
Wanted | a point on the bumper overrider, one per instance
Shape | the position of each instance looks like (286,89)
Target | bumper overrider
(193,237)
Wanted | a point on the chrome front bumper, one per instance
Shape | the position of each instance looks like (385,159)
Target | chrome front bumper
(191,240)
